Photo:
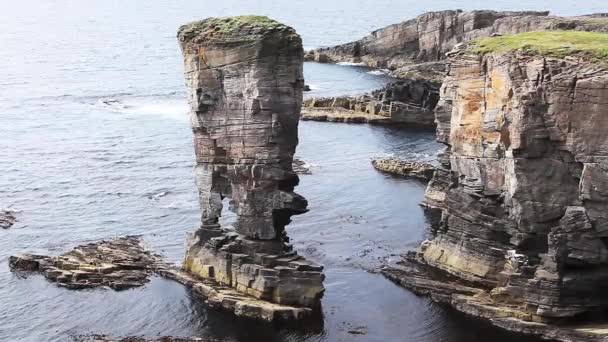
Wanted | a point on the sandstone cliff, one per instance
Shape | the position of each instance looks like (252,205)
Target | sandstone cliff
(244,77)
(414,48)
(524,188)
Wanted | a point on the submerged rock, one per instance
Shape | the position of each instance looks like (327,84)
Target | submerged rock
(245,80)
(301,167)
(404,168)
(106,338)
(7,219)
(119,264)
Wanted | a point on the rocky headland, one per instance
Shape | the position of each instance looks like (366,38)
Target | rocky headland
(404,168)
(245,79)
(416,48)
(415,53)
(522,189)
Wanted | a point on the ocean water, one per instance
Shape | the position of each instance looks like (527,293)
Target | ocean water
(95,143)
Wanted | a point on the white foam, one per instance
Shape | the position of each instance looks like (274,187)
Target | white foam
(175,108)
(378,72)
(350,64)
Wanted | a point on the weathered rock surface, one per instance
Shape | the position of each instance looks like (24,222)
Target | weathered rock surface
(7,219)
(405,101)
(119,264)
(106,338)
(422,42)
(406,168)
(421,279)
(124,263)
(522,188)
(338,114)
(244,77)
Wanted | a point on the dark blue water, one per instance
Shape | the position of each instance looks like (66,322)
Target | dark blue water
(95,143)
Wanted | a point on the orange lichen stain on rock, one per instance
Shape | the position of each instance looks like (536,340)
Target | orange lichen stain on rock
(467,118)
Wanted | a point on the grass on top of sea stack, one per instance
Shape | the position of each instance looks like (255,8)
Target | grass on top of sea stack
(547,43)
(242,27)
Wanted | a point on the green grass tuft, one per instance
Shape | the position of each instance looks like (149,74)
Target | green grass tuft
(547,43)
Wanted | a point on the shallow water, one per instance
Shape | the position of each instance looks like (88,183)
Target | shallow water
(94,143)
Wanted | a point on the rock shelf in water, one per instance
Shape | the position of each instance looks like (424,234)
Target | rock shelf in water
(124,263)
(405,168)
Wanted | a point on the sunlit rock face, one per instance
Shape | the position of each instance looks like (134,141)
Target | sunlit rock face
(244,79)
(524,186)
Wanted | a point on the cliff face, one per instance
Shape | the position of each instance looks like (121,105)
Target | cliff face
(403,101)
(423,41)
(244,77)
(524,187)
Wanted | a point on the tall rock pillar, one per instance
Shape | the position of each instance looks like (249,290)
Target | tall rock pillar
(244,79)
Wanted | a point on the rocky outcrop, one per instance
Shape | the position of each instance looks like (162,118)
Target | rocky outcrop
(405,168)
(119,264)
(124,263)
(244,78)
(339,114)
(416,47)
(522,189)
(7,219)
(404,101)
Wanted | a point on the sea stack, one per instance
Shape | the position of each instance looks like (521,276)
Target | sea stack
(245,82)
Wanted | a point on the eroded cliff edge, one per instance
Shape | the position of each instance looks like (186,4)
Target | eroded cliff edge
(523,188)
(244,79)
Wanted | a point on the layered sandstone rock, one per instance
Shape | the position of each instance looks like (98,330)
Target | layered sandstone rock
(404,101)
(120,264)
(406,168)
(244,77)
(523,192)
(416,48)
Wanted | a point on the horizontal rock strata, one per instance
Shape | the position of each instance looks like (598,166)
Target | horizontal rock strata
(399,167)
(124,263)
(413,48)
(119,264)
(405,101)
(244,78)
(522,187)
(337,114)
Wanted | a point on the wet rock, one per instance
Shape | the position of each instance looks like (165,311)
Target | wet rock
(7,219)
(124,263)
(399,167)
(333,114)
(120,264)
(424,41)
(414,274)
(244,78)
(106,338)
(301,167)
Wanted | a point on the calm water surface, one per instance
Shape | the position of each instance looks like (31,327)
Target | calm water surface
(94,143)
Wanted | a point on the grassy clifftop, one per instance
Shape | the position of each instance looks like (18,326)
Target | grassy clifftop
(549,43)
(231,27)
